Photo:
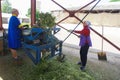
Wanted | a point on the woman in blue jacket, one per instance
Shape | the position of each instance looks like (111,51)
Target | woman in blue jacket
(14,34)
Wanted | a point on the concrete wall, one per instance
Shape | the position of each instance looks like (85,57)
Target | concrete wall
(107,19)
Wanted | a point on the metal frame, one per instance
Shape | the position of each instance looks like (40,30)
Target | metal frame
(38,51)
(1,27)
(72,14)
(34,50)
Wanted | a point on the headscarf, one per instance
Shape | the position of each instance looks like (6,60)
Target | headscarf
(88,23)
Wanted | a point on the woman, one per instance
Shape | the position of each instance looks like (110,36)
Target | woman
(85,43)
(14,34)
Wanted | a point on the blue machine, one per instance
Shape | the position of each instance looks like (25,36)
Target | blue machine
(36,41)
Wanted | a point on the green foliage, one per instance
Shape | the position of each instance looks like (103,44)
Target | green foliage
(114,0)
(43,19)
(29,13)
(6,6)
(47,69)
(46,20)
(37,15)
(55,70)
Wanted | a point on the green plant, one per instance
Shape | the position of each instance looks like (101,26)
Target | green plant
(46,20)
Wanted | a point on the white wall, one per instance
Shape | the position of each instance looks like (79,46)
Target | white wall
(107,19)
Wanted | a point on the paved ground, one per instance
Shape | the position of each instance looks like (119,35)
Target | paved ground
(109,69)
(102,70)
(106,70)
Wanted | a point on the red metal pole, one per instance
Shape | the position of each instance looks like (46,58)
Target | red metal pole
(33,12)
(105,39)
(60,6)
(62,20)
(1,28)
(72,14)
(86,5)
(67,30)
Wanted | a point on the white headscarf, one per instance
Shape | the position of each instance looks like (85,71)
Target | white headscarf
(88,23)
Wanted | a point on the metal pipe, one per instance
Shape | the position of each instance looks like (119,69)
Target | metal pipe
(1,27)
(62,20)
(82,20)
(60,6)
(105,39)
(33,12)
(87,5)
(67,30)
(102,38)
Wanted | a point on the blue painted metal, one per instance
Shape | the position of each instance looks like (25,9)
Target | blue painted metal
(5,42)
(50,44)
(46,41)
(55,30)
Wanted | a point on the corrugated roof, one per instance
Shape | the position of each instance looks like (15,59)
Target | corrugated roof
(106,7)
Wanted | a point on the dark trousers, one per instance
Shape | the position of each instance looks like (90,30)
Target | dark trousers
(83,54)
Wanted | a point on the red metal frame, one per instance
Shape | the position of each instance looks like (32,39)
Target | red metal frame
(105,39)
(1,27)
(72,14)
(33,12)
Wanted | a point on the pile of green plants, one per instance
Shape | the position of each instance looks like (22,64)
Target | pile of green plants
(45,20)
(47,69)
(55,70)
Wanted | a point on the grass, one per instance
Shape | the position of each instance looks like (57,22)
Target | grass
(51,69)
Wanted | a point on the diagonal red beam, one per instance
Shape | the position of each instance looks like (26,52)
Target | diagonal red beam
(71,13)
(60,6)
(66,29)
(105,39)
(85,5)
(78,19)
(62,20)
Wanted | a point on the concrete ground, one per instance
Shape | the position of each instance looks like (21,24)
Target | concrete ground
(109,70)
(106,70)
(101,70)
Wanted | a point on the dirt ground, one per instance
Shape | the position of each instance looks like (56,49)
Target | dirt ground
(101,69)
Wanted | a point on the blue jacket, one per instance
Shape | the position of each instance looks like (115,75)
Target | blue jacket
(14,33)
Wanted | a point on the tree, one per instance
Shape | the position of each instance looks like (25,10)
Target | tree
(46,20)
(114,0)
(6,6)
(29,13)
